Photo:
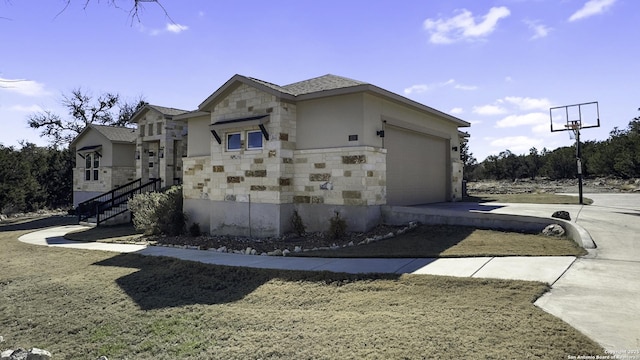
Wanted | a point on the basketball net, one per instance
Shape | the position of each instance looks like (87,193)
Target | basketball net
(574,126)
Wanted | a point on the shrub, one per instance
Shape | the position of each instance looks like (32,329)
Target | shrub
(337,226)
(297,223)
(159,213)
(194,229)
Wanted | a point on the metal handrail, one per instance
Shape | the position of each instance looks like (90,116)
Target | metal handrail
(102,206)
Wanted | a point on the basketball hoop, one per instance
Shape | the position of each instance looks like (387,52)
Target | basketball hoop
(574,118)
(574,126)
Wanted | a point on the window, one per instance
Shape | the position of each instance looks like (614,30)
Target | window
(150,130)
(159,128)
(92,164)
(233,141)
(141,130)
(254,140)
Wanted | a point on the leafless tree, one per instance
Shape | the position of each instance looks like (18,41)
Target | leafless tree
(83,109)
(134,10)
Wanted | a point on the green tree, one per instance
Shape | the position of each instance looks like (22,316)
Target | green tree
(468,160)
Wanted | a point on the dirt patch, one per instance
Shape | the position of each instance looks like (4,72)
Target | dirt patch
(524,186)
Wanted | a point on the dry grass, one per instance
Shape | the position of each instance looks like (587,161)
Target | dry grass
(458,241)
(82,304)
(529,198)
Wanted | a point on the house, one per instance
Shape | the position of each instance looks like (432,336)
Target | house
(104,160)
(160,145)
(257,152)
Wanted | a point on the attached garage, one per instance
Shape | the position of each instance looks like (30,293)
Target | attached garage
(417,167)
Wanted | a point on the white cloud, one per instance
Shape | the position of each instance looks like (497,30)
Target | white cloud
(463,26)
(516,144)
(169,28)
(416,89)
(508,79)
(421,88)
(456,111)
(590,8)
(539,30)
(23,87)
(489,110)
(176,28)
(527,103)
(536,118)
(465,87)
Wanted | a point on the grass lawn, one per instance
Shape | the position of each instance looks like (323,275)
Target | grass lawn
(80,304)
(458,241)
(529,198)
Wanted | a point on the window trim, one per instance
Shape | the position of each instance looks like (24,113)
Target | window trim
(248,143)
(227,135)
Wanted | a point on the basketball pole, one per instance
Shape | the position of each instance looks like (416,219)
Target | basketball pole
(579,163)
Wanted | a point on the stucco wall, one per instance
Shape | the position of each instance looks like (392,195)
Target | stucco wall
(328,122)
(199,137)
(124,155)
(92,138)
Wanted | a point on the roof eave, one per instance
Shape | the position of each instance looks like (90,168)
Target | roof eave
(191,114)
(242,80)
(385,93)
(418,106)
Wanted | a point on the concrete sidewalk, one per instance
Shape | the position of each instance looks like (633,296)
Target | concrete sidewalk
(540,268)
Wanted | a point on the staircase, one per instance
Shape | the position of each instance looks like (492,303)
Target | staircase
(112,206)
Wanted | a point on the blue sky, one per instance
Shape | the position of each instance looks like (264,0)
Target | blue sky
(498,64)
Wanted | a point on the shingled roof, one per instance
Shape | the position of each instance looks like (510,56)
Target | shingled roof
(321,83)
(117,133)
(327,85)
(167,110)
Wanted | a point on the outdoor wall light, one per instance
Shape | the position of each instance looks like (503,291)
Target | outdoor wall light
(380,133)
(137,155)
(161,153)
(455,148)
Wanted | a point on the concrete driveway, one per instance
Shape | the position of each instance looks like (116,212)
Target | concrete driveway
(600,294)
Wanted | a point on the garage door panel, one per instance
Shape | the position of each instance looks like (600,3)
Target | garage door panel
(416,167)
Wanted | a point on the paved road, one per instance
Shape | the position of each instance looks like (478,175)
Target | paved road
(600,294)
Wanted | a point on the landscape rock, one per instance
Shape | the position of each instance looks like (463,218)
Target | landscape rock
(22,354)
(5,354)
(553,230)
(564,215)
(297,249)
(38,354)
(103,358)
(286,252)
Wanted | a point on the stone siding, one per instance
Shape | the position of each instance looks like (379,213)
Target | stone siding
(353,176)
(171,140)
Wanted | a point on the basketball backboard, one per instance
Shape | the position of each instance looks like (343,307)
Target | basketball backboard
(575,117)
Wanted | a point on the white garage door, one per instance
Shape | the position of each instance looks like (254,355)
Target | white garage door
(417,171)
